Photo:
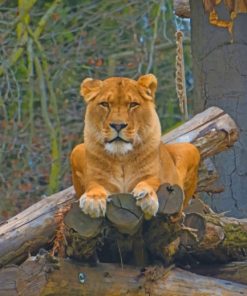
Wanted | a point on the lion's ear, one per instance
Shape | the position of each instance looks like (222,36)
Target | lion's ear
(149,81)
(90,88)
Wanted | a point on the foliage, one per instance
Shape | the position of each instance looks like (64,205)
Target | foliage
(47,48)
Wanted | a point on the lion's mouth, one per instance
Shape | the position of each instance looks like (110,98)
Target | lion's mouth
(118,139)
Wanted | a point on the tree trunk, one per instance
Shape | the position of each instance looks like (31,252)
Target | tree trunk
(38,276)
(212,131)
(220,73)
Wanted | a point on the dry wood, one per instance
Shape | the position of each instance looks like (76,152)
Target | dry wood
(234,271)
(214,238)
(208,178)
(123,213)
(37,276)
(31,229)
(212,131)
(182,8)
(123,217)
(204,237)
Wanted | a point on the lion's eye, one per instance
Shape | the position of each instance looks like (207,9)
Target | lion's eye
(134,104)
(104,104)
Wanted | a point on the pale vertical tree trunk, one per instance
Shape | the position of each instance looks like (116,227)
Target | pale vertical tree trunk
(220,72)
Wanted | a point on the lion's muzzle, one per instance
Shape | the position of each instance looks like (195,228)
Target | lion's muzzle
(118,126)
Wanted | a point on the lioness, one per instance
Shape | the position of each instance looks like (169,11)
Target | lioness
(122,150)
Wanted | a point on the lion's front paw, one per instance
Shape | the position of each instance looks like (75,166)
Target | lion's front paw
(146,199)
(93,203)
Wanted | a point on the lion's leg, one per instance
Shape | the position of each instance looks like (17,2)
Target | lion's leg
(145,194)
(92,195)
(186,158)
(77,160)
(93,201)
(189,180)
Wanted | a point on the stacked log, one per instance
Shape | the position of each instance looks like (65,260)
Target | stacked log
(212,131)
(124,236)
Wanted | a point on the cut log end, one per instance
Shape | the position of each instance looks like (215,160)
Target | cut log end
(83,224)
(84,234)
(171,199)
(123,213)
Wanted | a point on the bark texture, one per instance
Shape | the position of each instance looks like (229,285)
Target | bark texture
(209,237)
(234,271)
(220,72)
(37,276)
(33,228)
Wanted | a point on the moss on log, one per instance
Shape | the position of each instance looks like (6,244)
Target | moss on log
(215,238)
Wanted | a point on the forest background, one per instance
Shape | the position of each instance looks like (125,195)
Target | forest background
(47,49)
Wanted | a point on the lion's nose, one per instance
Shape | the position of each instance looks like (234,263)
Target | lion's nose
(118,126)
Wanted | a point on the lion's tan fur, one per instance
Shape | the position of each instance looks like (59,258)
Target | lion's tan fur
(138,163)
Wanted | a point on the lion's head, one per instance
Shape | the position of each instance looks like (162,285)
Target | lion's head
(120,113)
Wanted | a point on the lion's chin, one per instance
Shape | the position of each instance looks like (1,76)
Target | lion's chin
(118,148)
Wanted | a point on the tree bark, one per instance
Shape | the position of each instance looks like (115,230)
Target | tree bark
(234,271)
(37,276)
(220,73)
(212,131)
(31,229)
(209,237)
(203,237)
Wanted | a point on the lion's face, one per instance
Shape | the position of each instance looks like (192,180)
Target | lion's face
(120,112)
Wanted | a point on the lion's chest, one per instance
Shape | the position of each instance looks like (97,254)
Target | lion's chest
(123,178)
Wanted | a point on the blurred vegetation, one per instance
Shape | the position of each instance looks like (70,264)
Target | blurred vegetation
(47,48)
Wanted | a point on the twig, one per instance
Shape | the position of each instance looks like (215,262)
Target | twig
(152,47)
(55,151)
(30,61)
(22,14)
(14,57)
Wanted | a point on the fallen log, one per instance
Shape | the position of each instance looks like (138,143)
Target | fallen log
(39,276)
(235,271)
(208,180)
(211,131)
(203,237)
(31,229)
(209,237)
